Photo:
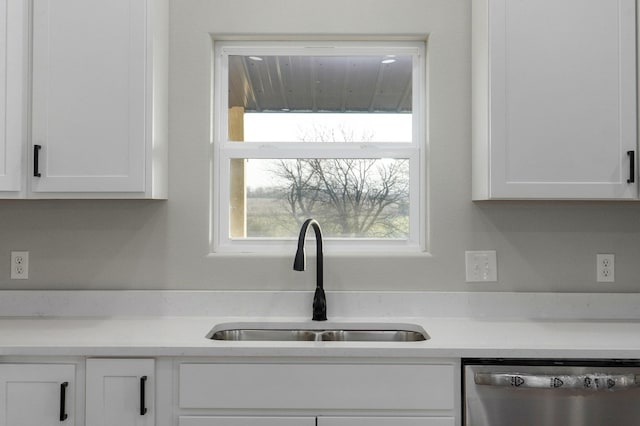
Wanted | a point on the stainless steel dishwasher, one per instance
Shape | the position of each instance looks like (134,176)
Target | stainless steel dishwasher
(544,392)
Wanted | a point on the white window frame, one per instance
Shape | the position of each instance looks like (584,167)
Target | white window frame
(223,150)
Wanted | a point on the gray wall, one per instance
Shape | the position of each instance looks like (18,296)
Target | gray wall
(542,246)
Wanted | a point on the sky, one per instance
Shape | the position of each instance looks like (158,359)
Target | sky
(291,127)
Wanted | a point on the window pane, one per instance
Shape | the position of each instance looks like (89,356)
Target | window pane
(296,114)
(302,127)
(290,98)
(351,198)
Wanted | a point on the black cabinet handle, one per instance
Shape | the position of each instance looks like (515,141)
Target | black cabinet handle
(36,160)
(143,382)
(63,397)
(632,166)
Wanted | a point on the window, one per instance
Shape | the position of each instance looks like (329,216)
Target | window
(334,131)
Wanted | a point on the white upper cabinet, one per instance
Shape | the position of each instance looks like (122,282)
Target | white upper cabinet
(554,99)
(13,55)
(98,125)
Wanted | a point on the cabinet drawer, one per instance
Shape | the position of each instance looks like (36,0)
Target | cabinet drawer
(386,421)
(318,386)
(245,421)
(311,421)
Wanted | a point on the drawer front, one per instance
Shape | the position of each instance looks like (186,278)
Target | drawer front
(245,421)
(318,386)
(386,421)
(311,421)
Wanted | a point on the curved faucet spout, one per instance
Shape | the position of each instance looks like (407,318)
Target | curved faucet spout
(299,264)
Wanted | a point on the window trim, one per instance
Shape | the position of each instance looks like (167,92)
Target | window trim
(222,150)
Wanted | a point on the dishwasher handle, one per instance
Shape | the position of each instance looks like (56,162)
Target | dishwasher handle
(594,382)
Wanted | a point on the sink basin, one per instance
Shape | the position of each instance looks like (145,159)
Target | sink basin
(318,332)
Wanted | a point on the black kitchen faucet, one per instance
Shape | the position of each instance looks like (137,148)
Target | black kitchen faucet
(319,300)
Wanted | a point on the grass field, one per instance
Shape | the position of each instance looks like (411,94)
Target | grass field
(267,217)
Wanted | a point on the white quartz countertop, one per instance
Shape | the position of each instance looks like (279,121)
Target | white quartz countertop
(450,337)
(176,323)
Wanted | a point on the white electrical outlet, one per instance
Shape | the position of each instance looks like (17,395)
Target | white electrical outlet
(19,265)
(605,268)
(481,266)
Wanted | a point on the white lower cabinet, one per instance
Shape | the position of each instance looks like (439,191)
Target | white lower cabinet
(247,393)
(120,392)
(169,391)
(37,395)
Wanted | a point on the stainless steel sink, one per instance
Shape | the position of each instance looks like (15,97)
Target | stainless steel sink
(318,332)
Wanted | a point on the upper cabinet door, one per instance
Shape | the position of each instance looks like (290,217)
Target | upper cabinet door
(12,83)
(554,99)
(89,91)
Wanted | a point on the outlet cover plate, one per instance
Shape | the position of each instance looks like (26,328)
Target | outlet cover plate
(19,265)
(481,266)
(605,268)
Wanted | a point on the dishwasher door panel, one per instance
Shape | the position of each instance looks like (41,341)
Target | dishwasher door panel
(525,395)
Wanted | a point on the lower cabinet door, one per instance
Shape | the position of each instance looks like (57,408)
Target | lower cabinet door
(37,394)
(245,421)
(386,421)
(120,392)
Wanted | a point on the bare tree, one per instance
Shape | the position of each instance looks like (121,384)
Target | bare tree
(351,197)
